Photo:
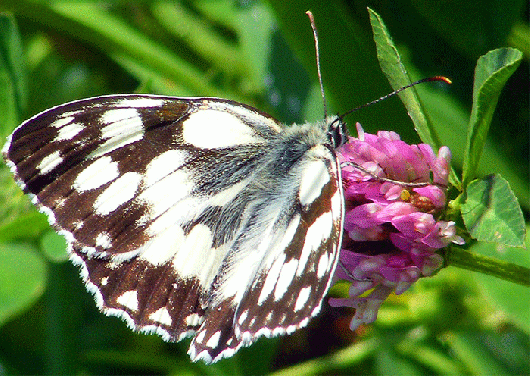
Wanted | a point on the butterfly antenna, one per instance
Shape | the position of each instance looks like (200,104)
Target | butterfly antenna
(315,37)
(428,79)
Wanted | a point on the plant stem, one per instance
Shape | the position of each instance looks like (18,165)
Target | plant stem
(488,265)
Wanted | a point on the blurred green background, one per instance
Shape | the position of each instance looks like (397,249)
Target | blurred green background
(261,53)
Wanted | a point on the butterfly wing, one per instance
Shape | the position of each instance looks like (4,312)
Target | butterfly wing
(187,214)
(282,267)
(121,176)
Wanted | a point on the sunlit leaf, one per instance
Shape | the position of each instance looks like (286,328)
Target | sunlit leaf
(13,95)
(491,212)
(22,279)
(491,73)
(398,77)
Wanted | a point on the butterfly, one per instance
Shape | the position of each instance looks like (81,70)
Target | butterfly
(197,217)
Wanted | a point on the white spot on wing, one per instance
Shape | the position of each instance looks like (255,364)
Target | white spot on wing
(203,355)
(68,131)
(264,332)
(49,213)
(337,203)
(116,143)
(286,277)
(119,192)
(210,129)
(272,278)
(103,240)
(166,193)
(140,102)
(62,121)
(119,121)
(163,165)
(322,265)
(243,317)
(178,213)
(98,173)
(200,337)
(129,299)
(214,340)
(123,126)
(229,194)
(49,162)
(303,296)
(246,337)
(161,316)
(68,236)
(315,176)
(186,262)
(316,233)
(337,200)
(194,319)
(185,334)
(162,247)
(246,114)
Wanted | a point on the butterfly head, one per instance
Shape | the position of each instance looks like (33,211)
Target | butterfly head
(337,131)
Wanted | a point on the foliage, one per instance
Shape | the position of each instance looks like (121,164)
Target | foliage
(262,54)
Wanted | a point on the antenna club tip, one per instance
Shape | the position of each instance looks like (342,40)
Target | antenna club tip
(442,78)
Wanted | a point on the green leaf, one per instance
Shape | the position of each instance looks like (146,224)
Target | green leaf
(28,225)
(91,23)
(449,120)
(22,278)
(388,363)
(12,75)
(474,354)
(200,36)
(491,212)
(398,77)
(429,356)
(392,65)
(105,30)
(54,246)
(491,73)
(158,82)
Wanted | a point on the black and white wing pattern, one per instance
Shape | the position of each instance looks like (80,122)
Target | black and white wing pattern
(188,216)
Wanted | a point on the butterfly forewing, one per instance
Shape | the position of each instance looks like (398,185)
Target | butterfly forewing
(188,214)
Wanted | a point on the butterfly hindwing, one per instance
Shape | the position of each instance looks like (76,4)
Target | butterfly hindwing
(292,279)
(188,215)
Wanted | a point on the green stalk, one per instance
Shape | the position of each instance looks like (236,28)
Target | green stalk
(488,265)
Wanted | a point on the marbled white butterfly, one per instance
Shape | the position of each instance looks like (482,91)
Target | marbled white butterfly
(189,216)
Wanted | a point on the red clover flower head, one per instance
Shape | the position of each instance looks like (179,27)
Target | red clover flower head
(395,194)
